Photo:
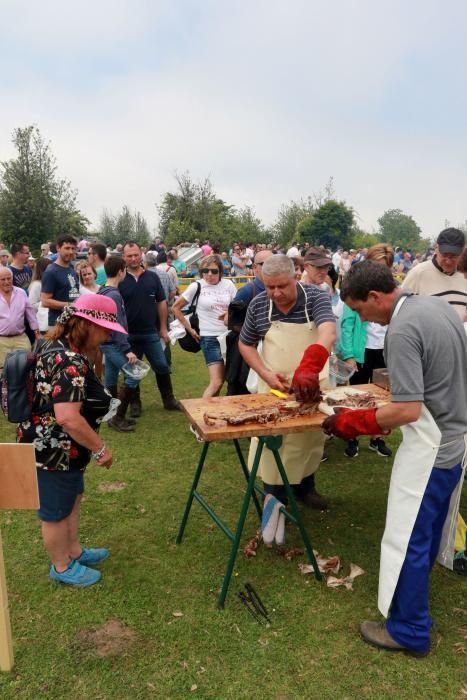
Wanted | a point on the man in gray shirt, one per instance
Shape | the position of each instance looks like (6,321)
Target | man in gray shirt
(426,354)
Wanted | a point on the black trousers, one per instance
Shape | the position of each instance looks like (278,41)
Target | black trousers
(373,360)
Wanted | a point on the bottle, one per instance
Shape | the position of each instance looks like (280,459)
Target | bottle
(332,378)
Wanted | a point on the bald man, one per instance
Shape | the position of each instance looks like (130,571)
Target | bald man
(236,369)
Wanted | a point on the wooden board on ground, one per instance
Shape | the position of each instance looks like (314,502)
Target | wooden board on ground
(234,405)
(18,476)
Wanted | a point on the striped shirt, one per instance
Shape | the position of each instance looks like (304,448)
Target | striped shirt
(257,323)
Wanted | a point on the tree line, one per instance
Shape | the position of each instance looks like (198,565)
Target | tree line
(37,205)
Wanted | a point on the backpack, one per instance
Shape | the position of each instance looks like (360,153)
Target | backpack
(18,386)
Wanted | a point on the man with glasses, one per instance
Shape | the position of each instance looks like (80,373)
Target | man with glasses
(236,369)
(317,263)
(21,272)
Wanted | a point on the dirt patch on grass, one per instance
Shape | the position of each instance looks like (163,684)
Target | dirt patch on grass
(113,638)
(111,486)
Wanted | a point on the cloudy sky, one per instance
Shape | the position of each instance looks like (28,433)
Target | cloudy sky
(269,98)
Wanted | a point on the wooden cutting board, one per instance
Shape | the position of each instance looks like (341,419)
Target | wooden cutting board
(234,405)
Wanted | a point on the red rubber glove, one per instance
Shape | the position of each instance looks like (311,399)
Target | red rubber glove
(305,382)
(349,423)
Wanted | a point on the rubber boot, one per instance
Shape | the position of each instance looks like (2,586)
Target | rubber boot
(135,404)
(118,422)
(113,390)
(164,384)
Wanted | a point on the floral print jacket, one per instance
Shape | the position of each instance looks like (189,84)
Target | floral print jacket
(62,376)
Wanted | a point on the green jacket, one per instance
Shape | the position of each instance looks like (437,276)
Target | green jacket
(352,342)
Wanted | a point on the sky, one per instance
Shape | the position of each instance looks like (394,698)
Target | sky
(267,98)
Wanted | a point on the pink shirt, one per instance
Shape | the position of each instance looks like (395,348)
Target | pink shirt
(12,315)
(207,250)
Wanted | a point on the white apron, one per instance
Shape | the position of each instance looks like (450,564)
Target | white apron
(282,350)
(413,463)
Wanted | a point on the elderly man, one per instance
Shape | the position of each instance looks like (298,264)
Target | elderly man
(439,276)
(14,309)
(236,369)
(425,348)
(290,318)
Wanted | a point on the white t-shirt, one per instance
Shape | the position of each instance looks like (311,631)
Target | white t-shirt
(293,252)
(375,334)
(213,301)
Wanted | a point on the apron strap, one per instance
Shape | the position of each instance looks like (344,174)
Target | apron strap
(309,323)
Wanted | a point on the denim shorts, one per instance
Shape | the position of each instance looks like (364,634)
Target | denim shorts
(211,350)
(57,493)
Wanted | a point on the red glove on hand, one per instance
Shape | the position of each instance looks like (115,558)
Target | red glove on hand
(305,382)
(350,423)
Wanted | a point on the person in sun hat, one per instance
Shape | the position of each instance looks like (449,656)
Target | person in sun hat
(68,406)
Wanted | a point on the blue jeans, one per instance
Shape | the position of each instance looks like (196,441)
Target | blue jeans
(114,361)
(149,344)
(211,350)
(409,620)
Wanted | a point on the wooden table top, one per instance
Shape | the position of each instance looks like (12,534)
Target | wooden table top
(233,405)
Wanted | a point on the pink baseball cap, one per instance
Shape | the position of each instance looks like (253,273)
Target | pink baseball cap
(100,310)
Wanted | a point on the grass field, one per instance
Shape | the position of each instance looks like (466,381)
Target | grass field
(121,639)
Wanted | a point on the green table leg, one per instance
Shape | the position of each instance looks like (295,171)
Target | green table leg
(259,510)
(199,469)
(293,504)
(240,524)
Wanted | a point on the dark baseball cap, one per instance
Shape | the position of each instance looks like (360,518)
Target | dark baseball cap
(317,257)
(451,240)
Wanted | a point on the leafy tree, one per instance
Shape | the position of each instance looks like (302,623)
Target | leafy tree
(35,204)
(123,226)
(363,239)
(330,225)
(288,224)
(194,211)
(399,229)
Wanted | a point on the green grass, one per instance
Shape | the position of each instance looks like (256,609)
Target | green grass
(312,649)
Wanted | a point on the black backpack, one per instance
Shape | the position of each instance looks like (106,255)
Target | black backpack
(17,385)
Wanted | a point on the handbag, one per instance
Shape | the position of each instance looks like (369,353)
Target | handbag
(188,343)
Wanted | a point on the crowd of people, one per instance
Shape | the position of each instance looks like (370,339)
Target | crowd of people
(279,328)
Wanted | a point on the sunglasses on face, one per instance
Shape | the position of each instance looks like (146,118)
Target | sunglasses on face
(212,270)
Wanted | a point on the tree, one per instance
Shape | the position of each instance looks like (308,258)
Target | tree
(399,229)
(35,204)
(286,228)
(363,239)
(194,211)
(124,226)
(330,225)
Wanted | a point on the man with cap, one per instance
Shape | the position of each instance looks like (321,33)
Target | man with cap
(316,263)
(4,257)
(439,276)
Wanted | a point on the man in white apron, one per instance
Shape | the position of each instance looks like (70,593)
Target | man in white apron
(426,355)
(288,317)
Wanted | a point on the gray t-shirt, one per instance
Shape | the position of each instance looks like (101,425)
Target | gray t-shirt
(426,355)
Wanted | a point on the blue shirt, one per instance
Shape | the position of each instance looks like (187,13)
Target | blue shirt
(249,291)
(63,284)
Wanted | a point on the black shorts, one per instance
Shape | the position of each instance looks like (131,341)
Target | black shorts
(58,491)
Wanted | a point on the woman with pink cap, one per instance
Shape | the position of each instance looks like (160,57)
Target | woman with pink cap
(68,406)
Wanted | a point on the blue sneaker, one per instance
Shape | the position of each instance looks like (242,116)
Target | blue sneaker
(75,575)
(90,557)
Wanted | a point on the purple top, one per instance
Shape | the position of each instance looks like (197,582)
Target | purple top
(12,315)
